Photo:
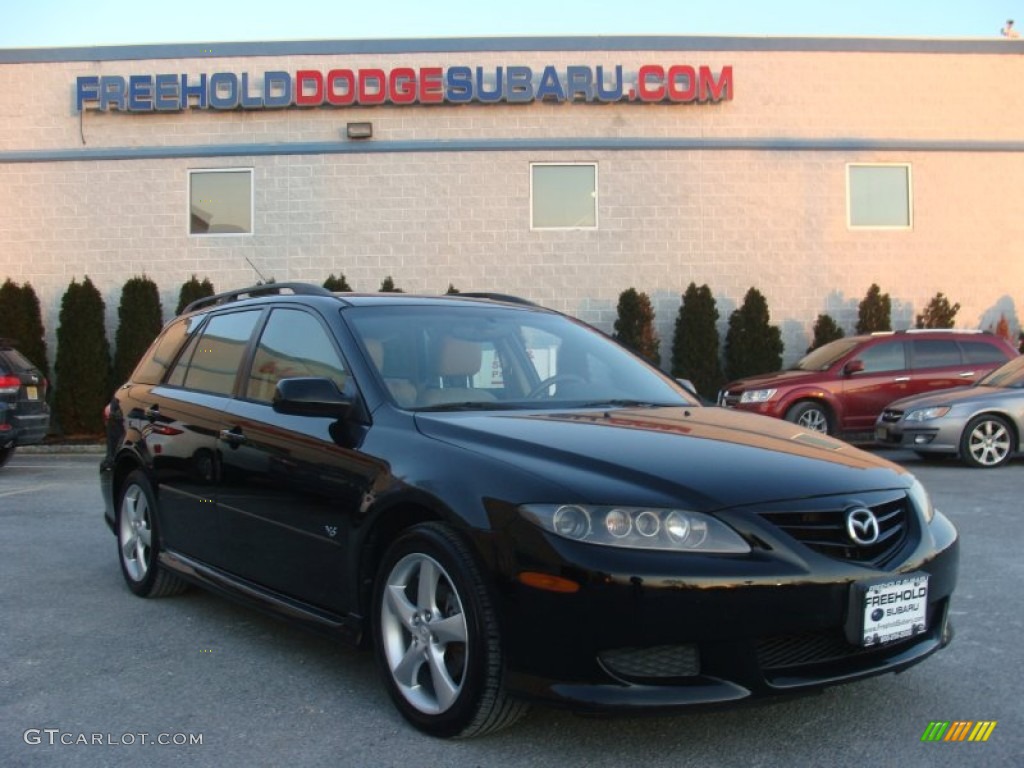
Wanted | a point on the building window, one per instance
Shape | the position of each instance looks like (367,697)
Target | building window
(563,196)
(879,196)
(220,202)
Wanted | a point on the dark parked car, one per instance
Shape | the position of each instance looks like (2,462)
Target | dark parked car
(841,387)
(24,414)
(982,424)
(508,506)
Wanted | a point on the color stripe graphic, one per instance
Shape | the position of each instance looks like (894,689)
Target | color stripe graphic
(959,730)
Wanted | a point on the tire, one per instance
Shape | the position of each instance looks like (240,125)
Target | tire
(5,455)
(987,442)
(138,541)
(812,416)
(436,636)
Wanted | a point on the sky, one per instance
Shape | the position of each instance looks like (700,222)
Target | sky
(63,23)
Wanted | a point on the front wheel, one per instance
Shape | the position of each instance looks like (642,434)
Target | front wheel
(812,416)
(987,442)
(437,639)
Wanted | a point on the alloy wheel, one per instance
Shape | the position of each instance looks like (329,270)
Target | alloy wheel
(424,633)
(134,533)
(989,443)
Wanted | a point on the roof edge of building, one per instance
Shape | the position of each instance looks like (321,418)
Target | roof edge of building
(667,43)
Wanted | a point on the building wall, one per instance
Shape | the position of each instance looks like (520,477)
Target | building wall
(748,192)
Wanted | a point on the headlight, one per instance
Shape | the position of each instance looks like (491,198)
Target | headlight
(927,414)
(757,395)
(675,530)
(919,496)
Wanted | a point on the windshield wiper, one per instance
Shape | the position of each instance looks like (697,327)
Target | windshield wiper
(626,403)
(469,405)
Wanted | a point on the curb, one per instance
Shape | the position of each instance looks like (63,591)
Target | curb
(62,448)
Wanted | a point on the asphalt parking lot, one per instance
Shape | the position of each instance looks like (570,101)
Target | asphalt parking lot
(82,660)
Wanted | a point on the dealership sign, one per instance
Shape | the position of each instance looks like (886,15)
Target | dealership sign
(652,83)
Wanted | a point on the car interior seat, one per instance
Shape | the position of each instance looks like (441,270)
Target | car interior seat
(455,363)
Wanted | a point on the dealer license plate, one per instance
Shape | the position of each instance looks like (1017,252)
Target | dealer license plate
(32,393)
(881,433)
(894,610)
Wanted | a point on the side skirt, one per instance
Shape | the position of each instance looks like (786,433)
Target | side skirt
(348,628)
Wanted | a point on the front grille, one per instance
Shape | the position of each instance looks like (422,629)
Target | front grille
(825,532)
(781,651)
(813,648)
(729,399)
(808,648)
(663,661)
(891,415)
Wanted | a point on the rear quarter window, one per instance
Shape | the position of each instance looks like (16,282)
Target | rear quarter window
(13,360)
(163,352)
(982,352)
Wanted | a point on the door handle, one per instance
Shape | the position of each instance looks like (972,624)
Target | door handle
(901,379)
(966,375)
(232,436)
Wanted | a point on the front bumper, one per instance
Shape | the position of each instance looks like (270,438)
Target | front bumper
(926,439)
(633,639)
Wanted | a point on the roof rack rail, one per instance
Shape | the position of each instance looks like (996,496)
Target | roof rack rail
(266,289)
(945,330)
(497,297)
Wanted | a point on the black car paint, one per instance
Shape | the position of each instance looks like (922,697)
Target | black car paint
(291,513)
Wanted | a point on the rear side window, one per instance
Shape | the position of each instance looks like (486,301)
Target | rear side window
(935,353)
(210,363)
(158,360)
(980,352)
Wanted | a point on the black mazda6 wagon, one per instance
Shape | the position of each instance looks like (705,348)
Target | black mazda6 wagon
(507,506)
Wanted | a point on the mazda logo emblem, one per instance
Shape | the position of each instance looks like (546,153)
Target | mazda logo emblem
(862,526)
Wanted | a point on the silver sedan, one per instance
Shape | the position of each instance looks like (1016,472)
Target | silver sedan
(982,424)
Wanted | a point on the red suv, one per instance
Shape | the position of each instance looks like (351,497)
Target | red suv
(842,387)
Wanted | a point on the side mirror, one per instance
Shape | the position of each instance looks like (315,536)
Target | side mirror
(852,367)
(313,396)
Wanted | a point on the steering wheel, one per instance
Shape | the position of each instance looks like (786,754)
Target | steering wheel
(550,381)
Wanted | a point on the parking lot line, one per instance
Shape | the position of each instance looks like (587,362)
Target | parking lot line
(16,491)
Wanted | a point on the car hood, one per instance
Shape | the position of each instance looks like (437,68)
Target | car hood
(776,378)
(954,396)
(708,458)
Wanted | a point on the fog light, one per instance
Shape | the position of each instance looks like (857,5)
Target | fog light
(923,439)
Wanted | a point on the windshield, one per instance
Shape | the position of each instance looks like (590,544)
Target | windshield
(1008,376)
(823,358)
(450,357)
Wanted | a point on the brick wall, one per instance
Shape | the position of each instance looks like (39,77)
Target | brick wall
(774,219)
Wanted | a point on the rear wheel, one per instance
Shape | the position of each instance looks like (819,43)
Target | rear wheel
(986,442)
(5,455)
(437,638)
(812,416)
(138,541)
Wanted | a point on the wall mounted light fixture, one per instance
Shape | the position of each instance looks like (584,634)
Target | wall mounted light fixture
(359,130)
